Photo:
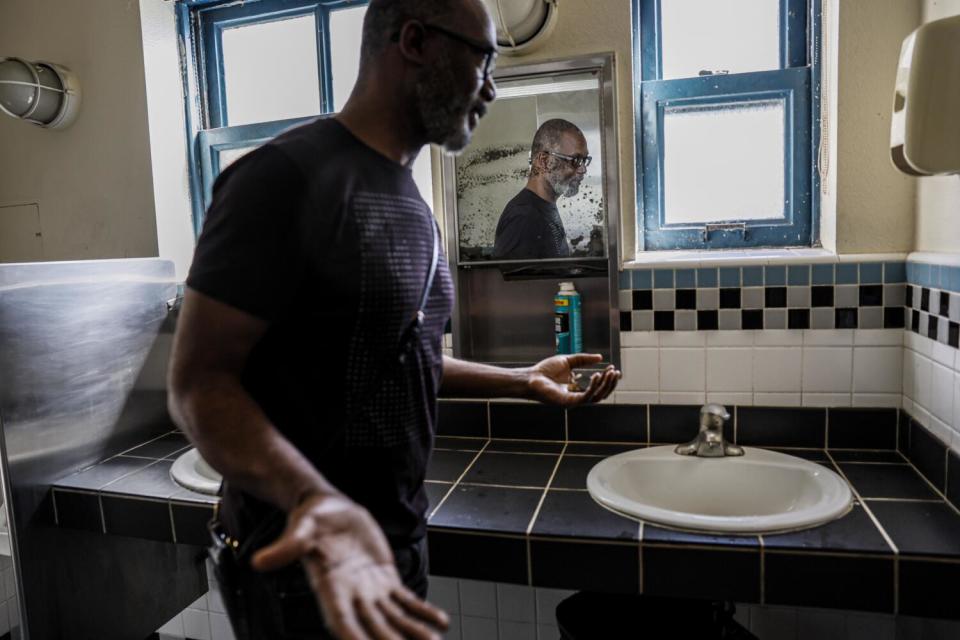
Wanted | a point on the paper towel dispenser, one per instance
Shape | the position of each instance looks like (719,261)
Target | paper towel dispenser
(925,131)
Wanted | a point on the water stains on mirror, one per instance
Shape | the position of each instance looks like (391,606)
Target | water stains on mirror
(497,173)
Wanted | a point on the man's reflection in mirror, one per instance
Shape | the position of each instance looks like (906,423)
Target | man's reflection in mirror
(530,227)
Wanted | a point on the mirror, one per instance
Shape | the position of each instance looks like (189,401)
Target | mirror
(526,172)
(530,186)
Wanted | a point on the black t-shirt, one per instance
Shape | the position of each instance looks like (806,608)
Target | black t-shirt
(530,228)
(330,243)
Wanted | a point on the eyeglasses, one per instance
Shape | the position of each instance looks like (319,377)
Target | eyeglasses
(489,53)
(576,161)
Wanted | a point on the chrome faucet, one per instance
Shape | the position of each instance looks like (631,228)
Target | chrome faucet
(709,443)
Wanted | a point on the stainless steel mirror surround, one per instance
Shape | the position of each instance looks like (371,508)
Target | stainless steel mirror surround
(504,307)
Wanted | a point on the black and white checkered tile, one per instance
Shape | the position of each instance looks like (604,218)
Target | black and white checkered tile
(934,313)
(835,306)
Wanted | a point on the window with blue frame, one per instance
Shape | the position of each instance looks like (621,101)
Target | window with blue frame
(727,99)
(256,68)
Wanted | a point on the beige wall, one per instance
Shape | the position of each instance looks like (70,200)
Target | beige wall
(93,187)
(600,26)
(91,182)
(938,199)
(875,203)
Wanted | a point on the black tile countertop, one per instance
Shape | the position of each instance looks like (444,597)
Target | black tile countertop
(517,510)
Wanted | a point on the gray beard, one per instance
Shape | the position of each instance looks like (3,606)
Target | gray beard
(563,188)
(442,113)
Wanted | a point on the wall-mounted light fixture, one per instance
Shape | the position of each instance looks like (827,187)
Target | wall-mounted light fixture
(522,25)
(43,93)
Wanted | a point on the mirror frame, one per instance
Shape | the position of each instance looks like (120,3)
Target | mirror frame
(603,64)
(610,169)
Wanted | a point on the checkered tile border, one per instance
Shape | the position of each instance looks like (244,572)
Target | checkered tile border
(820,296)
(934,313)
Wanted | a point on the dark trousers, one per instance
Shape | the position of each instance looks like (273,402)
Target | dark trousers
(280,605)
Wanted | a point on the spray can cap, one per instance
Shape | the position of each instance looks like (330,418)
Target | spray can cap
(566,286)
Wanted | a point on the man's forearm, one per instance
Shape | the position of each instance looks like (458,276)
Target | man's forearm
(234,435)
(471,379)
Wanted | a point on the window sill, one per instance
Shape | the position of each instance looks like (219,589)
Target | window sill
(719,258)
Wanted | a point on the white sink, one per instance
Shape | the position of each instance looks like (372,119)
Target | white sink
(192,472)
(759,492)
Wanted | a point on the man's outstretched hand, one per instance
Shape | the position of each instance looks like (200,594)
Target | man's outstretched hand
(553,380)
(352,572)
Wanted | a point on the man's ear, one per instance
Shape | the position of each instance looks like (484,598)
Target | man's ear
(537,165)
(411,41)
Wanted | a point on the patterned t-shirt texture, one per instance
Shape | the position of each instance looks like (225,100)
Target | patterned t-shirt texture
(530,228)
(330,243)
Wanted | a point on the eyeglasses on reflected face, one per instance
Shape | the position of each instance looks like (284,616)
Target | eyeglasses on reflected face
(575,161)
(489,53)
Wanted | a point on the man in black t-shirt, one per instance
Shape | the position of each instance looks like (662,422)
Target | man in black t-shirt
(299,367)
(530,227)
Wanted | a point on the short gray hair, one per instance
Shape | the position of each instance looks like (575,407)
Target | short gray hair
(384,18)
(550,134)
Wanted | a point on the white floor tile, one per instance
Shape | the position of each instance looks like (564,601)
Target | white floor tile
(220,627)
(174,627)
(196,624)
(516,603)
(547,601)
(510,630)
(445,593)
(478,628)
(478,599)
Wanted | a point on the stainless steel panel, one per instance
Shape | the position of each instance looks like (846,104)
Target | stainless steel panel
(510,322)
(74,341)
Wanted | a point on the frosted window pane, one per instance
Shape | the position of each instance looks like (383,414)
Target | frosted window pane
(270,71)
(724,163)
(346,27)
(229,156)
(733,35)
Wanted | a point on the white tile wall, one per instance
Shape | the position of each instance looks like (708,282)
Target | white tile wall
(931,386)
(863,368)
(866,368)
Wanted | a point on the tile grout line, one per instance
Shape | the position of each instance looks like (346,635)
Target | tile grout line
(173,527)
(640,553)
(103,517)
(456,482)
(56,515)
(489,421)
(536,512)
(943,497)
(863,503)
(763,570)
(649,426)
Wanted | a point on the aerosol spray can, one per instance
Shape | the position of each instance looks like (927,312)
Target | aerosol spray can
(566,320)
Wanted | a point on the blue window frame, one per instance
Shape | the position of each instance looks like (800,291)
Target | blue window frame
(794,88)
(201,24)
